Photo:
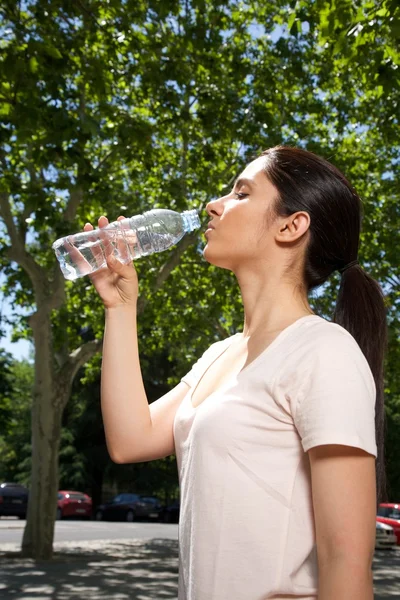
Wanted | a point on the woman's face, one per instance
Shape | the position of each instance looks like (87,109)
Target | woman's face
(239,231)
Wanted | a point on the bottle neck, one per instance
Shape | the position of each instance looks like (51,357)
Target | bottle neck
(191,220)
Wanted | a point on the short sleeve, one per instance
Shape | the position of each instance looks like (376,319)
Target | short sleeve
(194,375)
(336,404)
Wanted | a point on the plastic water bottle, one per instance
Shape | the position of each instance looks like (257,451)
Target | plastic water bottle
(153,231)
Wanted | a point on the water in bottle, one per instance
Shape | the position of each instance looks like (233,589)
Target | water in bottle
(153,231)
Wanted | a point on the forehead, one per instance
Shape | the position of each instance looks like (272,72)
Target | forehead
(255,169)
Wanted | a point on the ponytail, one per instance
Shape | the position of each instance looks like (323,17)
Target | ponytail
(360,309)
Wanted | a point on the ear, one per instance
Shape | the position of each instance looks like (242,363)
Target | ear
(292,228)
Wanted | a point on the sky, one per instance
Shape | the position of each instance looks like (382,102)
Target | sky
(20,350)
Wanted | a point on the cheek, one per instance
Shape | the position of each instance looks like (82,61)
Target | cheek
(261,232)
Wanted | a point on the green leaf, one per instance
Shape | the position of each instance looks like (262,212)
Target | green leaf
(339,44)
(383,12)
(291,20)
(294,30)
(52,51)
(5,109)
(33,64)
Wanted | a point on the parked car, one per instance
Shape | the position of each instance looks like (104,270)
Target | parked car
(389,514)
(73,504)
(385,537)
(170,513)
(13,500)
(129,507)
(157,506)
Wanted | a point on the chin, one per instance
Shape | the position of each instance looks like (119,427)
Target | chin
(215,259)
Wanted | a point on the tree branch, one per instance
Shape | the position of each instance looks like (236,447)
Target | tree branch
(17,251)
(105,158)
(75,361)
(166,269)
(221,329)
(58,297)
(175,256)
(75,198)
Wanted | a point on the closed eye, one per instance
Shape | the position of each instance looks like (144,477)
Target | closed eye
(240,195)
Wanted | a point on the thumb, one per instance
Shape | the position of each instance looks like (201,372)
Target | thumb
(114,264)
(117,266)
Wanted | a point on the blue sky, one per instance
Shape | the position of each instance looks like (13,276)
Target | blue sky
(21,349)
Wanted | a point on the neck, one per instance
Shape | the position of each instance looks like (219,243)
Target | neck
(271,303)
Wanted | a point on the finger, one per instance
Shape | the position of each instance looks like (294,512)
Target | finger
(103,221)
(98,250)
(73,257)
(124,253)
(118,266)
(88,227)
(114,242)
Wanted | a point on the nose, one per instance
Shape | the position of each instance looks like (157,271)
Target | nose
(215,207)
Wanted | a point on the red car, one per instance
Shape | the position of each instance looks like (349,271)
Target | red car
(73,504)
(390,515)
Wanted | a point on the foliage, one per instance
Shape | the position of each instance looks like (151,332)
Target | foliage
(16,399)
(84,461)
(5,390)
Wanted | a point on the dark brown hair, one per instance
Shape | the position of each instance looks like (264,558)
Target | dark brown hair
(306,182)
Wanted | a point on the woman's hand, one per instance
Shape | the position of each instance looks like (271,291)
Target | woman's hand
(117,284)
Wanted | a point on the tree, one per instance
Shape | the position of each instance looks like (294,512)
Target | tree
(120,106)
(5,389)
(15,406)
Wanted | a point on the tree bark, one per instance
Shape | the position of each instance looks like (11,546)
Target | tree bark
(51,393)
(46,427)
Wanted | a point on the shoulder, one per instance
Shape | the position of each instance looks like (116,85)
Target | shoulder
(321,337)
(319,330)
(329,389)
(325,348)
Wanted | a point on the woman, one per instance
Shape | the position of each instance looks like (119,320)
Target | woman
(276,429)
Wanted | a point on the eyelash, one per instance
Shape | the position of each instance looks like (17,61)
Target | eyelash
(241,195)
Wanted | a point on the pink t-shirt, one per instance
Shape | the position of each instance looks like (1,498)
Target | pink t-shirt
(246,524)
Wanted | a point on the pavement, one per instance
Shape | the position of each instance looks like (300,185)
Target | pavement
(127,570)
(121,570)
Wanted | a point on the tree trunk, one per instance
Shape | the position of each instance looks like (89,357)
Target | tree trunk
(38,536)
(51,392)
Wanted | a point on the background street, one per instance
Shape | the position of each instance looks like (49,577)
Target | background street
(11,531)
(122,561)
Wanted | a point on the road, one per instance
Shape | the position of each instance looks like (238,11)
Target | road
(11,531)
(143,555)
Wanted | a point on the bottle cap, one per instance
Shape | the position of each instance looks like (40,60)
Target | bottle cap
(191,220)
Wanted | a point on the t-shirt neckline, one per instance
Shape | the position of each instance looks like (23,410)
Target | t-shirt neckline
(279,338)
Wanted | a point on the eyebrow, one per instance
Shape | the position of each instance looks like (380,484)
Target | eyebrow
(243,181)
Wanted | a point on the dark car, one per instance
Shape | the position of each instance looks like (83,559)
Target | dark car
(129,507)
(156,504)
(13,500)
(170,513)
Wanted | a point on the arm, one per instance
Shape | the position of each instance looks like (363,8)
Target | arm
(344,500)
(135,431)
